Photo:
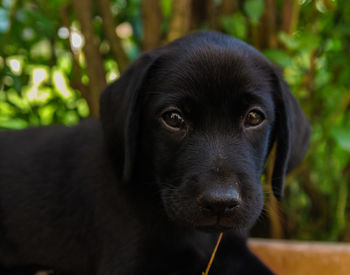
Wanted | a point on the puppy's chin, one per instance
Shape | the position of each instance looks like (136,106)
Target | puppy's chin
(217,228)
(220,226)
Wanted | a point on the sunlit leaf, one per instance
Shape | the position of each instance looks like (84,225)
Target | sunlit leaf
(288,40)
(342,136)
(13,123)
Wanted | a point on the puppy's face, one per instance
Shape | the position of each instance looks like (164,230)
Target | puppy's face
(208,120)
(198,117)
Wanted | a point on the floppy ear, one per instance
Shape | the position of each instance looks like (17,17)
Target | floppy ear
(292,133)
(120,112)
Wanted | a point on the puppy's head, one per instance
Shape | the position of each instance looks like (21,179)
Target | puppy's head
(198,118)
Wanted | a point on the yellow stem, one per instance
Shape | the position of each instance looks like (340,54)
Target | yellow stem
(213,255)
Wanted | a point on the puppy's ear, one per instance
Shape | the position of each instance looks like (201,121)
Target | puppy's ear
(292,134)
(120,111)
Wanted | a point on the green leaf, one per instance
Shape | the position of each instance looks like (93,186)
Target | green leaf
(235,25)
(288,40)
(279,57)
(342,137)
(254,9)
(309,41)
(13,123)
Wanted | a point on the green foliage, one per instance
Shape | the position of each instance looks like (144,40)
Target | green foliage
(254,10)
(342,137)
(235,25)
(316,66)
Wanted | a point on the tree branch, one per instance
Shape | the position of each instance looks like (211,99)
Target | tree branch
(290,15)
(212,15)
(109,30)
(276,230)
(75,80)
(270,22)
(180,19)
(228,7)
(267,34)
(198,13)
(151,20)
(95,67)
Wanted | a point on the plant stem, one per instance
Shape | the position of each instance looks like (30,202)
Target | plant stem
(213,255)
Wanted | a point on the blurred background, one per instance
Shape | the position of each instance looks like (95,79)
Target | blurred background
(56,56)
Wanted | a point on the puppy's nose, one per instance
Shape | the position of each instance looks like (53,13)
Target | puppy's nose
(220,201)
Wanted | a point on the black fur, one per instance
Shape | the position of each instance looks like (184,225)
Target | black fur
(129,195)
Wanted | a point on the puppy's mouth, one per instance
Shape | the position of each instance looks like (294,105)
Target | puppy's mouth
(220,225)
(214,228)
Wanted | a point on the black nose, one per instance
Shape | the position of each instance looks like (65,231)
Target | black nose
(220,201)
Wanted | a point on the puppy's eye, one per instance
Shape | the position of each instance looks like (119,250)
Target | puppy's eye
(254,118)
(173,119)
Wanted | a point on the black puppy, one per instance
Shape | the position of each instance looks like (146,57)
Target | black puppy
(176,158)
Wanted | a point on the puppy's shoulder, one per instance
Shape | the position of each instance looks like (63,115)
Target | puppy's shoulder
(50,142)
